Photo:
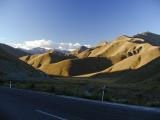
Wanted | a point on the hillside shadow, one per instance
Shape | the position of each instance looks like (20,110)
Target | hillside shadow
(89,65)
(130,75)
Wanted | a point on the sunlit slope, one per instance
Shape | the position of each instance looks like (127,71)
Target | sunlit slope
(38,60)
(117,50)
(146,74)
(127,53)
(123,53)
(73,67)
(133,62)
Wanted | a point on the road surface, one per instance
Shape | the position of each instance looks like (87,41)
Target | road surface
(16,104)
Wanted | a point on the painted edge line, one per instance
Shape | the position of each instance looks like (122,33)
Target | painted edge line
(144,108)
(45,113)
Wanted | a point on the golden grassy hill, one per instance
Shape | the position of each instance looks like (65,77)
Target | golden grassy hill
(133,62)
(123,53)
(146,74)
(38,60)
(117,50)
(73,67)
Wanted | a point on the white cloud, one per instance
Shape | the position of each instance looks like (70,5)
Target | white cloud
(35,43)
(87,45)
(77,45)
(48,44)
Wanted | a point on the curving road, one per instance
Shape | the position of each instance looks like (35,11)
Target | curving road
(16,104)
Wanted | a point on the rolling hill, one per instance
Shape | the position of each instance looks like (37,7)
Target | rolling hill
(73,67)
(39,60)
(122,54)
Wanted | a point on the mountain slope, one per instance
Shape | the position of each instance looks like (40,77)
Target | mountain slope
(149,37)
(13,68)
(146,74)
(117,50)
(38,60)
(13,51)
(132,62)
(73,67)
(123,53)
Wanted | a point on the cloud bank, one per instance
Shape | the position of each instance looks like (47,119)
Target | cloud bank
(48,44)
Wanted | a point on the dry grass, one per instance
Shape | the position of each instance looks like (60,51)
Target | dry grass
(144,93)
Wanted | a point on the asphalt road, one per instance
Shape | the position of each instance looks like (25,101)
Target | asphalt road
(28,105)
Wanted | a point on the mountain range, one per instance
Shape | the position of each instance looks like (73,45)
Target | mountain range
(123,58)
(123,53)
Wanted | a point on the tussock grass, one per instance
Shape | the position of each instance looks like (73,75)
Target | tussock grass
(138,94)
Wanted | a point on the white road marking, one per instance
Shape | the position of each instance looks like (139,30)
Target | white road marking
(143,108)
(45,113)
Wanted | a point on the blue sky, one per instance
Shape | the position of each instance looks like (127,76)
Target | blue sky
(76,21)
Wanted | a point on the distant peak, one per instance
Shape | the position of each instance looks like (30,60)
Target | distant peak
(145,34)
(149,37)
(83,47)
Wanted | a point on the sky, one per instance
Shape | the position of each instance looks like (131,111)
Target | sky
(67,24)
